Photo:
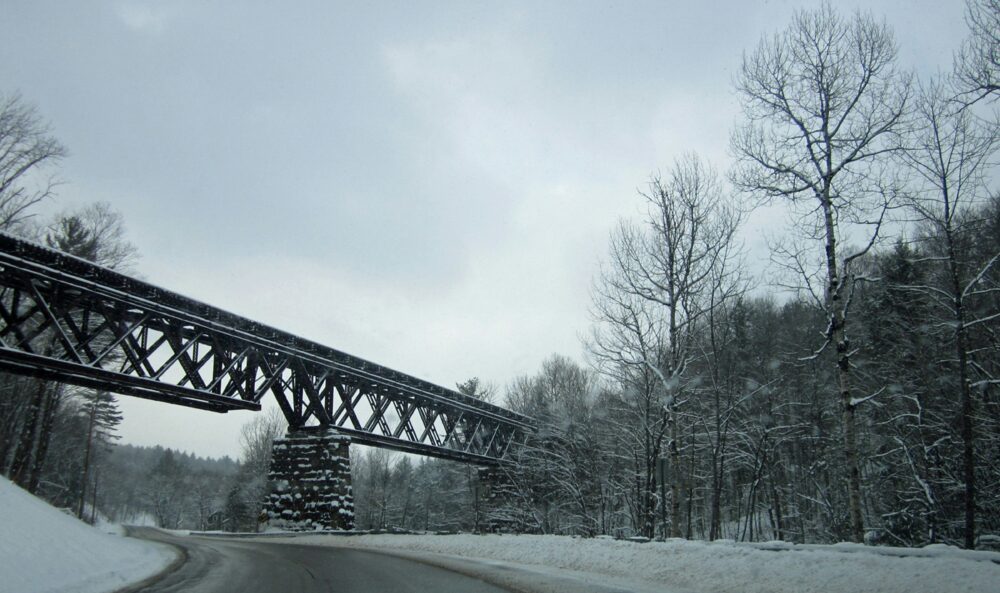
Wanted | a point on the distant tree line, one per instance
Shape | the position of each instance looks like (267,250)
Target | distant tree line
(167,488)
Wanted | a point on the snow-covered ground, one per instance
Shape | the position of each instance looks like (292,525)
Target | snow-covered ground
(703,567)
(44,550)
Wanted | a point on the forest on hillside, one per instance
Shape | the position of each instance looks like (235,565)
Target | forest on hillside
(849,394)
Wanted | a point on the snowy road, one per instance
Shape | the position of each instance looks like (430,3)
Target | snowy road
(216,565)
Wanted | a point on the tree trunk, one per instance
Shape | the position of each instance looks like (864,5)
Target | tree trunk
(677,475)
(715,520)
(968,434)
(86,459)
(14,409)
(20,471)
(689,500)
(93,500)
(53,398)
(838,335)
(857,530)
(779,532)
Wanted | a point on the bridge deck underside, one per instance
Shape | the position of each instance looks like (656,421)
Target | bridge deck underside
(67,320)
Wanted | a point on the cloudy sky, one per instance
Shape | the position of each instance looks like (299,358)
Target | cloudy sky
(429,185)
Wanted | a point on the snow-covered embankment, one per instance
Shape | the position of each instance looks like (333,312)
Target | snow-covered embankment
(717,567)
(43,550)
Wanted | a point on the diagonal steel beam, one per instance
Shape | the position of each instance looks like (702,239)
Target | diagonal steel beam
(127,335)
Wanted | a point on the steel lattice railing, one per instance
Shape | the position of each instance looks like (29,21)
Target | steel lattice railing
(66,319)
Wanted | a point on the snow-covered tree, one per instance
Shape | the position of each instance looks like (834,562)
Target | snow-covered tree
(949,154)
(100,409)
(823,105)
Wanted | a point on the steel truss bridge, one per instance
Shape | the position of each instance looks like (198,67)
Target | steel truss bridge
(67,319)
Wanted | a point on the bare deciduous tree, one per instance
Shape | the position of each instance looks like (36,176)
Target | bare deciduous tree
(26,149)
(256,438)
(823,104)
(629,331)
(977,65)
(664,280)
(95,232)
(949,152)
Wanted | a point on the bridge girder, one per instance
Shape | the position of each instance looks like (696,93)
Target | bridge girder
(66,319)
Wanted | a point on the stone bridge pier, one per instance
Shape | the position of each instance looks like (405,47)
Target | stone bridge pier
(497,498)
(310,481)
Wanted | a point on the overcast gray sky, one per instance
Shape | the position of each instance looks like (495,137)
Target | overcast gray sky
(426,185)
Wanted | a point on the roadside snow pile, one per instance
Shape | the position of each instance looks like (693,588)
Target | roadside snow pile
(44,550)
(718,567)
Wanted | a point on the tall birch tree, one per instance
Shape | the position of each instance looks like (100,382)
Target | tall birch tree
(823,104)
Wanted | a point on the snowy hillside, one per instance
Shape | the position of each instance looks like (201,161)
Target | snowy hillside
(716,567)
(43,550)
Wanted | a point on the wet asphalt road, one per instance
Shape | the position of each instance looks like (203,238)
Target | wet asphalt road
(218,565)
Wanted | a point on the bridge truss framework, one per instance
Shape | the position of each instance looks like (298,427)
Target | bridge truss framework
(69,320)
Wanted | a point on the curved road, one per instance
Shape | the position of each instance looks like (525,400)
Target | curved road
(218,565)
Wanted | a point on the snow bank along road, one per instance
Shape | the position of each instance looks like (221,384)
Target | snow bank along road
(43,550)
(224,565)
(678,565)
(553,564)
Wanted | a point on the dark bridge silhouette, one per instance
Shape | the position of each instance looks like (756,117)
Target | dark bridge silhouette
(66,319)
